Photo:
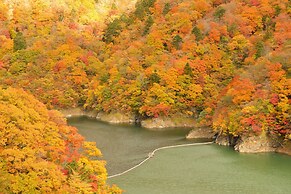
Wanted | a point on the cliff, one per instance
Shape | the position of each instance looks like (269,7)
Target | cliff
(201,133)
(247,143)
(168,122)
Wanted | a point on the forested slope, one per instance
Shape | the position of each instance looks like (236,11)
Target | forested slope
(225,63)
(39,153)
(216,61)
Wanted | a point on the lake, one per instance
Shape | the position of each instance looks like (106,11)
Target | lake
(195,169)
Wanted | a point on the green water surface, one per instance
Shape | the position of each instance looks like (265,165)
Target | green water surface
(197,169)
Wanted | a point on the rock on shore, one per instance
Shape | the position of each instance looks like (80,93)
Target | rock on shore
(201,133)
(115,117)
(118,117)
(223,140)
(76,112)
(257,144)
(285,148)
(168,122)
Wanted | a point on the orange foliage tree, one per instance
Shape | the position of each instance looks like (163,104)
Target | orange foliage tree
(41,154)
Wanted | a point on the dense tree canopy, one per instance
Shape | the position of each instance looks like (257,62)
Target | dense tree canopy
(39,153)
(224,63)
(163,58)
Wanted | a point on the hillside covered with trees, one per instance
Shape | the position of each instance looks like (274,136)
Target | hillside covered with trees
(224,63)
(39,153)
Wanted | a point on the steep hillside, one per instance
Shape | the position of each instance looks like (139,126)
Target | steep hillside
(39,153)
(45,46)
(224,63)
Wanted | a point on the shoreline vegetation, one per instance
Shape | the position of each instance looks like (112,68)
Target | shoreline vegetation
(244,144)
(118,118)
(224,64)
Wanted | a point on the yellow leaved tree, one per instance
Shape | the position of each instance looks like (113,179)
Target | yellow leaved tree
(40,153)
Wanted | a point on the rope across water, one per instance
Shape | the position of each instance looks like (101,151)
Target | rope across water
(151,154)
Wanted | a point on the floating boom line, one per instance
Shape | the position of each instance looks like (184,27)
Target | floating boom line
(151,154)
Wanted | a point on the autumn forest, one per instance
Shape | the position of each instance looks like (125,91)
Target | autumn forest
(224,63)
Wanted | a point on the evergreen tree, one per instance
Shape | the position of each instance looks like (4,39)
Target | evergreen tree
(197,32)
(177,40)
(19,42)
(148,25)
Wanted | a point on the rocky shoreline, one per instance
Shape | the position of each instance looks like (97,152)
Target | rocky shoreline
(77,112)
(118,118)
(114,118)
(168,122)
(245,144)
(201,133)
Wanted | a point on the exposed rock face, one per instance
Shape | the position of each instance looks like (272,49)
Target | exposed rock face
(251,143)
(222,140)
(285,148)
(168,122)
(256,144)
(75,112)
(116,117)
(106,117)
(201,133)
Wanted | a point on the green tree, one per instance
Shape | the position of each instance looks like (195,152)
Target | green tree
(176,42)
(149,22)
(142,8)
(154,78)
(219,12)
(188,70)
(197,32)
(260,49)
(113,30)
(19,42)
(167,8)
